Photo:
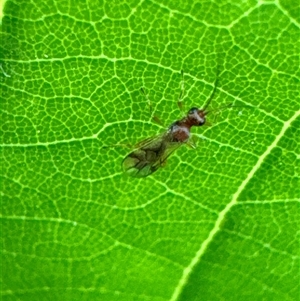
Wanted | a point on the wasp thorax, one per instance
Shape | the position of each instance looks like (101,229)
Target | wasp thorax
(179,132)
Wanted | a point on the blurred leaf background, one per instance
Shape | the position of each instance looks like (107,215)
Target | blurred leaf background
(216,223)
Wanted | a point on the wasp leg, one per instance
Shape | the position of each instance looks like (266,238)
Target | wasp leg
(192,143)
(117,145)
(153,117)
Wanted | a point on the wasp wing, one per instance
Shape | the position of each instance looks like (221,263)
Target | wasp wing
(149,155)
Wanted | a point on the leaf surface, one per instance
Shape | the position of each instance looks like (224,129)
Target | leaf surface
(216,223)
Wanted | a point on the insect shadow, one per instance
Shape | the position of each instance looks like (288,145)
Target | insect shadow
(152,153)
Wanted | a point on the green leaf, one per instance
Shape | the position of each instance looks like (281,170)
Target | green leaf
(217,223)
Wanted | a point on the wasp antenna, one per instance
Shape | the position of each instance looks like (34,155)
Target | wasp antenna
(230,106)
(211,95)
(221,108)
(214,90)
(247,107)
(181,93)
(181,86)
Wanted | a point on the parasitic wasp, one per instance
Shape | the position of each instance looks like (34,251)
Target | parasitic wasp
(152,153)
